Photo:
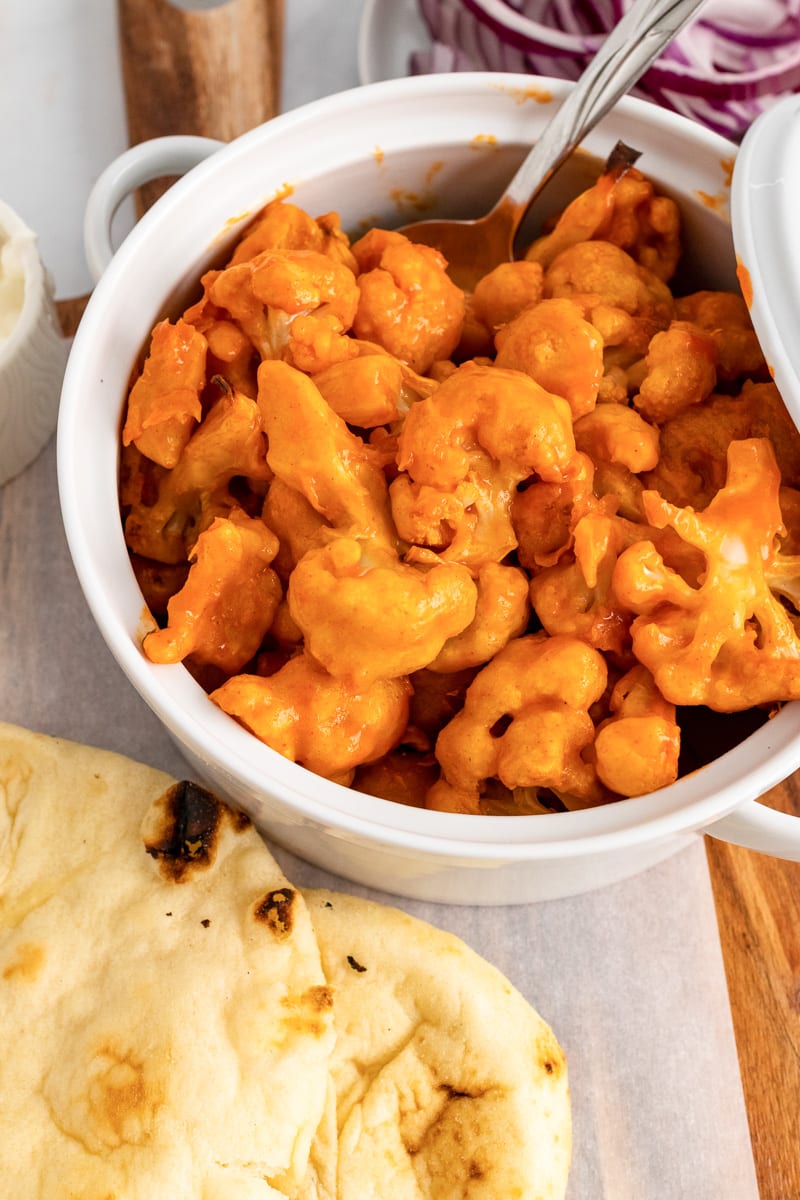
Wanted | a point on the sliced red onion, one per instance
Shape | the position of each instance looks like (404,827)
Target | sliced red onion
(723,69)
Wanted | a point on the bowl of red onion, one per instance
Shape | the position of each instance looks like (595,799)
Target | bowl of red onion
(727,66)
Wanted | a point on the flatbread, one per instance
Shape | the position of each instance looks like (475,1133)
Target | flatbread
(166,1023)
(447,1085)
(169,1004)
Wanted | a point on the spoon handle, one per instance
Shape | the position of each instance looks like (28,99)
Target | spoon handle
(647,27)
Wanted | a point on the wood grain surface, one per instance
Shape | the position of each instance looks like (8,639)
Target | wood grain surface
(758,910)
(214,72)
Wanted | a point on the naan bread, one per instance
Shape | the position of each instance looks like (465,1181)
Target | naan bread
(166,1025)
(447,1085)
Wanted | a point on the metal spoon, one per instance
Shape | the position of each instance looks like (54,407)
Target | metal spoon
(474,247)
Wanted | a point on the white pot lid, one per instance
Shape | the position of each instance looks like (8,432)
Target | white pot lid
(765,216)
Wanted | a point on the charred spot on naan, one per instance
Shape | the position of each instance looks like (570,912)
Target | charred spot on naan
(183,828)
(277,911)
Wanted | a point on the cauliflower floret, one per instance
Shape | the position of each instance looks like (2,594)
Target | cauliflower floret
(284,226)
(464,451)
(503,293)
(561,351)
(468,524)
(575,597)
(229,443)
(544,515)
(623,208)
(231,356)
(726,318)
(525,722)
(727,643)
(374,389)
(625,302)
(615,433)
(505,413)
(312,450)
(693,446)
(402,776)
(408,304)
(365,615)
(295,305)
(323,723)
(164,403)
(680,371)
(221,614)
(636,750)
(501,614)
(296,523)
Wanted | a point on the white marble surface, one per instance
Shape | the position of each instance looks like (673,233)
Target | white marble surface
(631,977)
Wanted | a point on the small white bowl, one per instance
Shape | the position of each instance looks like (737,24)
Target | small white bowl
(376,154)
(33,352)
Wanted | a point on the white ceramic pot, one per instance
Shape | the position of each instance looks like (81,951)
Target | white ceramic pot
(378,155)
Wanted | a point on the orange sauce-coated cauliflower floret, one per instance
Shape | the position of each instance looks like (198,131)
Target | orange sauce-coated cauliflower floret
(525,722)
(681,370)
(296,523)
(231,356)
(726,318)
(624,301)
(501,614)
(544,515)
(366,615)
(505,413)
(501,295)
(728,643)
(408,303)
(636,750)
(560,350)
(622,207)
(402,776)
(284,226)
(575,597)
(228,443)
(225,607)
(164,403)
(292,304)
(326,724)
(468,524)
(615,433)
(464,450)
(158,582)
(312,450)
(373,389)
(693,446)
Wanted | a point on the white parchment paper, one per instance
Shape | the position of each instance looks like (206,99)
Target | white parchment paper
(630,977)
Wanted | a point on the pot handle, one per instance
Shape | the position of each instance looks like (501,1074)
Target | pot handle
(758,827)
(153,159)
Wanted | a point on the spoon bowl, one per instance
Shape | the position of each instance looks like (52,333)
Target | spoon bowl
(473,248)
